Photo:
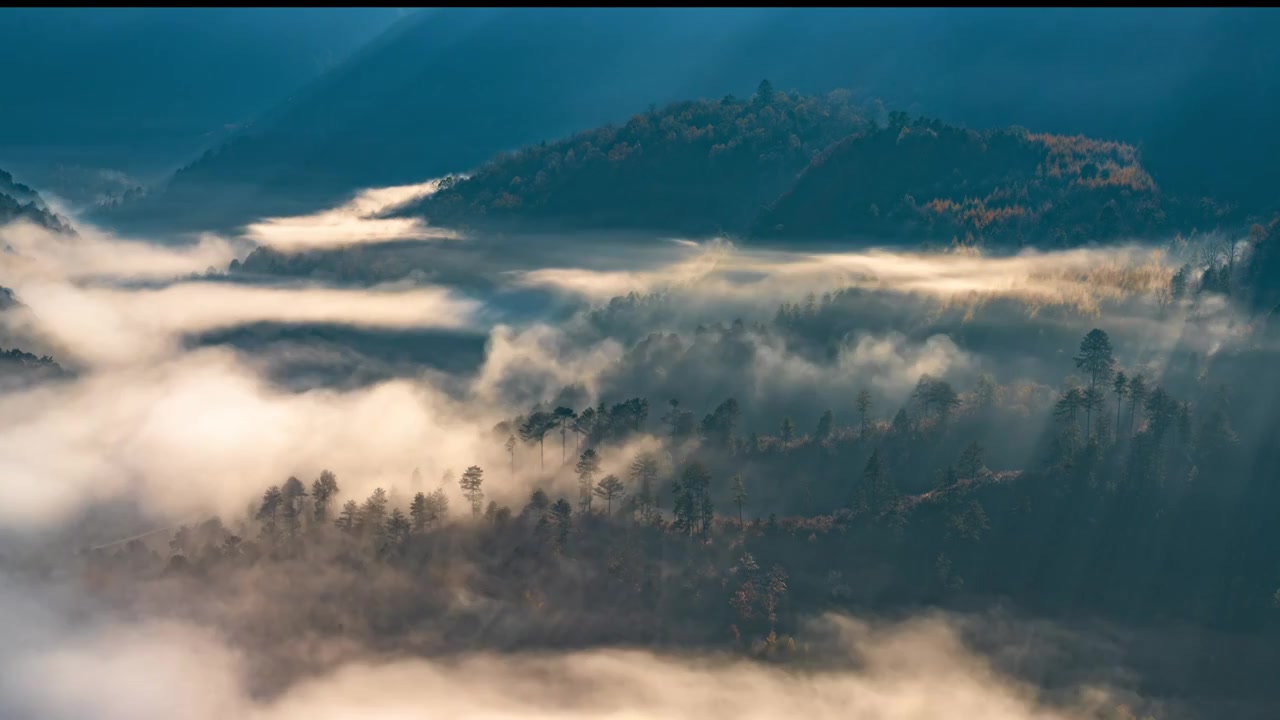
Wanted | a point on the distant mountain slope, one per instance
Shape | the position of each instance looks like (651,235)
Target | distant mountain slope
(146,89)
(924,179)
(17,366)
(795,167)
(20,202)
(693,166)
(445,90)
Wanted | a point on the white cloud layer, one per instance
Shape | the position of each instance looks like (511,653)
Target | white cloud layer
(353,223)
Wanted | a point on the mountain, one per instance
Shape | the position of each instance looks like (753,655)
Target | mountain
(697,166)
(139,91)
(925,179)
(19,367)
(20,202)
(795,167)
(446,89)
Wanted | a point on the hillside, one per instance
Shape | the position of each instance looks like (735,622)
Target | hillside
(441,91)
(20,202)
(792,167)
(140,91)
(446,89)
(696,166)
(924,179)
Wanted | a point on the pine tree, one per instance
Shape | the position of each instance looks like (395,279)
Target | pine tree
(587,467)
(374,513)
(535,428)
(609,488)
(644,474)
(418,512)
(1137,398)
(692,507)
(739,496)
(349,519)
(826,424)
(970,463)
(511,450)
(471,481)
(437,508)
(292,496)
(1120,386)
(397,531)
(269,512)
(1098,360)
(876,491)
(562,517)
(864,410)
(562,418)
(323,491)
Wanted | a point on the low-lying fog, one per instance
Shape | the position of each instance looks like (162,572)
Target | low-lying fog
(190,391)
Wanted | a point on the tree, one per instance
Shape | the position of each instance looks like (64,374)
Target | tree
(692,507)
(937,397)
(970,463)
(679,422)
(374,512)
(1098,360)
(511,450)
(764,93)
(1069,404)
(181,543)
(609,488)
(1178,283)
(562,418)
(291,508)
(948,478)
(787,432)
(1137,397)
(587,467)
(562,517)
(825,426)
(864,410)
(875,492)
(437,508)
(397,532)
(535,429)
(718,426)
(471,481)
(349,519)
(739,497)
(418,512)
(901,425)
(984,392)
(1119,386)
(323,490)
(584,425)
(644,473)
(269,511)
(538,504)
(630,414)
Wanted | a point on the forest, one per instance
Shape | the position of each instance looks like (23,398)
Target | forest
(798,401)
(784,166)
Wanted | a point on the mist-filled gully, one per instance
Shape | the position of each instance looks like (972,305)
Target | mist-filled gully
(698,480)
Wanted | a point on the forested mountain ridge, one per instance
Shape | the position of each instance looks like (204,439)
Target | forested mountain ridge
(697,166)
(925,179)
(450,87)
(787,166)
(733,538)
(20,202)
